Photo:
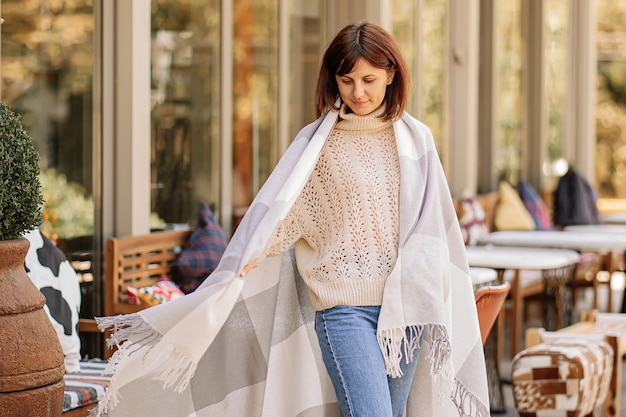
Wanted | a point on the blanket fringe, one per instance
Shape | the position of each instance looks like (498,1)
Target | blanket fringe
(393,342)
(440,351)
(396,343)
(468,404)
(134,336)
(402,342)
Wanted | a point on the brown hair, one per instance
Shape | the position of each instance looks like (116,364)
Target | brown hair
(368,41)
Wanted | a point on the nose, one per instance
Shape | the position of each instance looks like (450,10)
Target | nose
(359,91)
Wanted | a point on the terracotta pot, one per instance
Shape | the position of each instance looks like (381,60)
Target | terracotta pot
(31,358)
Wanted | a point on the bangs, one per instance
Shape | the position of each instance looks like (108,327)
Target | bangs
(346,64)
(378,58)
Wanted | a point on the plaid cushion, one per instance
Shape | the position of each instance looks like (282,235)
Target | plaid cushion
(202,252)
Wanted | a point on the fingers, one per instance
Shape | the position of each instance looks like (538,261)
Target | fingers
(249,268)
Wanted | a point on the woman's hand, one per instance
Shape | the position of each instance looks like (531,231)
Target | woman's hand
(249,267)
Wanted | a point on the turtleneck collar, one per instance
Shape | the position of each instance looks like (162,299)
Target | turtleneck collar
(353,122)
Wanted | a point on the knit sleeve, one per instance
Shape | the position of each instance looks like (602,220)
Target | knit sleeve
(286,235)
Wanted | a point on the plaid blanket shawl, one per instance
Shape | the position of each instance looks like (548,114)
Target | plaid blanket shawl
(246,346)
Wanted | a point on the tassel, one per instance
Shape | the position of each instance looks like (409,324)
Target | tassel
(467,403)
(135,337)
(440,351)
(396,343)
(390,343)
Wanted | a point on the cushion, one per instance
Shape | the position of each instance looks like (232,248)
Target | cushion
(575,201)
(535,206)
(162,291)
(562,377)
(201,253)
(511,214)
(85,386)
(472,219)
(52,274)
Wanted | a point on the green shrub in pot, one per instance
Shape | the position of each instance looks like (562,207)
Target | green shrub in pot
(32,361)
(20,190)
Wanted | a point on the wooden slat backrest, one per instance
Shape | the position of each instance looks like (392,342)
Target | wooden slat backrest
(138,261)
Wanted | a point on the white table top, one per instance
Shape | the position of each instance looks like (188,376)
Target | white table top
(598,228)
(500,257)
(482,275)
(579,241)
(614,218)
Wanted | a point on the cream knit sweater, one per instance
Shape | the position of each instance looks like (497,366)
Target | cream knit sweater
(344,224)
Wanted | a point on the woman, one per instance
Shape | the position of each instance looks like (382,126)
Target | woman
(377,318)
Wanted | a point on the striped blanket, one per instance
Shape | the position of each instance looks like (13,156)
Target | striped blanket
(245,346)
(85,386)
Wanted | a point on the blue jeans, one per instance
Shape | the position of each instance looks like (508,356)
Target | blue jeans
(350,350)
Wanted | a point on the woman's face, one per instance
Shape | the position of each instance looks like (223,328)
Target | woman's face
(363,89)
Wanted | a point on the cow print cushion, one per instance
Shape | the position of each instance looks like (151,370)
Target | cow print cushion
(52,274)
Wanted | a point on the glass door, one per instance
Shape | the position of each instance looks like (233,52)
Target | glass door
(47,66)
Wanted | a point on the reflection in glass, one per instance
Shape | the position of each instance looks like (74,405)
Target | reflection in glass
(508,112)
(47,69)
(611,99)
(433,20)
(305,54)
(424,45)
(255,98)
(185,97)
(556,58)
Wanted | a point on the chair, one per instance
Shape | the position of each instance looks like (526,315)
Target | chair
(527,286)
(489,301)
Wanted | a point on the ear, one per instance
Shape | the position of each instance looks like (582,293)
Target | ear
(390,75)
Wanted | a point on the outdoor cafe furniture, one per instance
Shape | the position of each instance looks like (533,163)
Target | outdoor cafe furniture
(604,244)
(609,327)
(614,218)
(610,228)
(554,266)
(563,376)
(483,276)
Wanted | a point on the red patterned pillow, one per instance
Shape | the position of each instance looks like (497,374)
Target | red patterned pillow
(472,220)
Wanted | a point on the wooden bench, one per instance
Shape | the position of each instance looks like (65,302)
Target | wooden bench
(607,326)
(138,261)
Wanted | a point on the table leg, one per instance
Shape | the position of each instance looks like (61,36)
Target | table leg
(517,307)
(623,309)
(612,404)
(558,297)
(496,396)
